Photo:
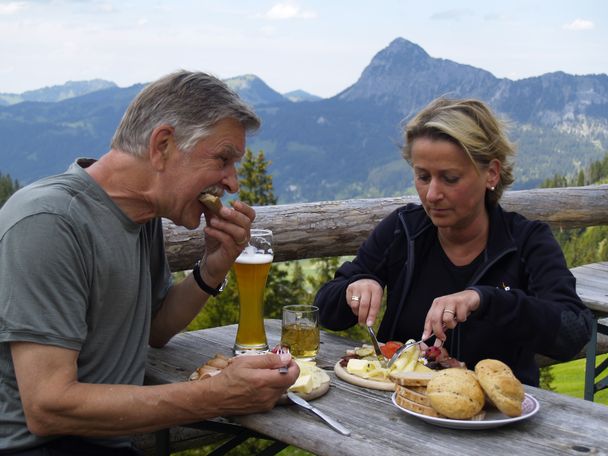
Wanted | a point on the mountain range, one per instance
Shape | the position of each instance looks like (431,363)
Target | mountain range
(345,146)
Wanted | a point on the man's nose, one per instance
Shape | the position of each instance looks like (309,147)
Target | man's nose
(231,180)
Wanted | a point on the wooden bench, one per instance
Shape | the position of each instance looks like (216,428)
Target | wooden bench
(592,287)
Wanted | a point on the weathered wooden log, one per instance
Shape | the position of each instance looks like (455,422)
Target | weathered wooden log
(336,228)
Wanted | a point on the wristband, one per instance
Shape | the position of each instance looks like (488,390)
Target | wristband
(196,272)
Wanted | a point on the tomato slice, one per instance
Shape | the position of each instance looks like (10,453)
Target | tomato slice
(389,348)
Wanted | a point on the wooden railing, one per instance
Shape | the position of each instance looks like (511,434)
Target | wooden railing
(336,228)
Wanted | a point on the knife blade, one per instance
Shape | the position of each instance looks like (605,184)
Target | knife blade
(379,354)
(303,403)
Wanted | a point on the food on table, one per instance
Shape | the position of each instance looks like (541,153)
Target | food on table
(311,377)
(214,203)
(413,378)
(389,348)
(362,361)
(456,393)
(459,393)
(502,388)
(212,367)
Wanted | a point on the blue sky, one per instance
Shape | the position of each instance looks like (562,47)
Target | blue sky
(318,46)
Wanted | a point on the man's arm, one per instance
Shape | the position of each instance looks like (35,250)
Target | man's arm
(56,403)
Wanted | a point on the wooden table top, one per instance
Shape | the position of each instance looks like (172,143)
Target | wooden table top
(563,425)
(592,286)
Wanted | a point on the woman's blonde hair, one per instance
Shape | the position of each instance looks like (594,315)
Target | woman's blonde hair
(471,125)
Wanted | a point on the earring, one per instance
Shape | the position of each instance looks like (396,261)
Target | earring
(492,188)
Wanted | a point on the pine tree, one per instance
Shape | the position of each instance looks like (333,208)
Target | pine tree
(8,186)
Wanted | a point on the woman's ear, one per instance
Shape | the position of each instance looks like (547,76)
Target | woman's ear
(162,144)
(493,174)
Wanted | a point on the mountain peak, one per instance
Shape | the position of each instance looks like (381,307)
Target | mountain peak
(253,90)
(404,76)
(405,49)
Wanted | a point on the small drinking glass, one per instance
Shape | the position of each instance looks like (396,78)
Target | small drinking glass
(300,331)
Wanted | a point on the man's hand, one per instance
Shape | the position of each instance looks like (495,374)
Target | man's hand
(251,384)
(225,237)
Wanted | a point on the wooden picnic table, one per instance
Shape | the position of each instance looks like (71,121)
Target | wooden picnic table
(592,287)
(563,425)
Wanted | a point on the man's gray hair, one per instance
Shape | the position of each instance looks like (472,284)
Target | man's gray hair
(191,102)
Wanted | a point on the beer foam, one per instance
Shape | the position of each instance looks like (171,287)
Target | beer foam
(254,258)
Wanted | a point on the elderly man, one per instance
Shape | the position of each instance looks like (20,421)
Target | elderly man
(85,285)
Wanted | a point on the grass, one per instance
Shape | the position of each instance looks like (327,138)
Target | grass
(569,379)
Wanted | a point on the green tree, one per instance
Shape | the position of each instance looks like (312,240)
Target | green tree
(580,180)
(255,182)
(8,186)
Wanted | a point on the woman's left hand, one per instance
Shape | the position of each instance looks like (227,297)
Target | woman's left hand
(447,311)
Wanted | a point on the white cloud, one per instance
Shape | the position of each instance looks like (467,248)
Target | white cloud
(579,24)
(12,7)
(288,10)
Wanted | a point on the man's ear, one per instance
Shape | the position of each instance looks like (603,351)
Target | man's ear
(162,145)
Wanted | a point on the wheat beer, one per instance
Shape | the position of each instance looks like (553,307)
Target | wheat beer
(251,269)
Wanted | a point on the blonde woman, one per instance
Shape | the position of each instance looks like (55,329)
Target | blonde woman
(486,282)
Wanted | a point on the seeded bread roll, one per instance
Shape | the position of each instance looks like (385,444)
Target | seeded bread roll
(211,201)
(503,389)
(456,393)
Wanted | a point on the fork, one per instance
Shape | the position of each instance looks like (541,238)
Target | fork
(282,349)
(406,346)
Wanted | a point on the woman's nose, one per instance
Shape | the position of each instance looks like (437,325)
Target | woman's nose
(433,192)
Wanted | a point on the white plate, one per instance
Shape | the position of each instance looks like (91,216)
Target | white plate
(492,419)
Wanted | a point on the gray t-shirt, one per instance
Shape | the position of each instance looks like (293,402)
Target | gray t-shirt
(75,272)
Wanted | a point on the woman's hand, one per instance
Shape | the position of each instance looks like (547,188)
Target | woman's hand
(447,311)
(364,298)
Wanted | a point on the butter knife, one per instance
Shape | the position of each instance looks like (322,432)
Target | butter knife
(302,403)
(379,354)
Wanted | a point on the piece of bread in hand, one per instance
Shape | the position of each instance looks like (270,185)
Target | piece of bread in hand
(456,393)
(214,203)
(501,386)
(411,378)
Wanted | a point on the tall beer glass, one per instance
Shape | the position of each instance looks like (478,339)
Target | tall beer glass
(251,270)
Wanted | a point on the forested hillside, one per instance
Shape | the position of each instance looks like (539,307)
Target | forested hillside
(584,245)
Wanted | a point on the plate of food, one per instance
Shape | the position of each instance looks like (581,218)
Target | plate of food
(312,382)
(360,366)
(457,398)
(491,419)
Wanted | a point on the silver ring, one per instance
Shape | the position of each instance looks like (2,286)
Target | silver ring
(449,312)
(355,298)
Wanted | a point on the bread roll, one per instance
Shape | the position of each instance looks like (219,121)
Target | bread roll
(456,393)
(503,389)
